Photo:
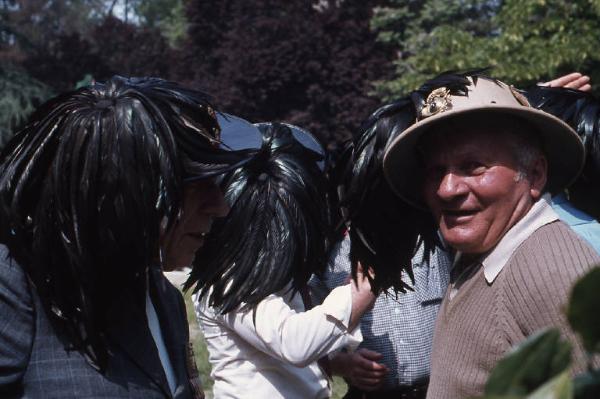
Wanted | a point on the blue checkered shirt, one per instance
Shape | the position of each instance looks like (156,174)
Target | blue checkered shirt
(400,328)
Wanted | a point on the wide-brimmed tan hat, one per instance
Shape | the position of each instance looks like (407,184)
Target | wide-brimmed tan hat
(563,148)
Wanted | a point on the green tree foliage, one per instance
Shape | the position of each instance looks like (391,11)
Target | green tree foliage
(35,24)
(306,62)
(60,44)
(112,47)
(20,95)
(166,15)
(524,40)
(49,39)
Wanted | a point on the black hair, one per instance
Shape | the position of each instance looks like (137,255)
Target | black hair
(275,235)
(581,111)
(87,185)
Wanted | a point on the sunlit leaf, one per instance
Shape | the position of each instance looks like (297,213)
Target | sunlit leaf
(584,310)
(587,386)
(560,387)
(538,359)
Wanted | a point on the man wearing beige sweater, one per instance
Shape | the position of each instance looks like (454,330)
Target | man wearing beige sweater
(484,163)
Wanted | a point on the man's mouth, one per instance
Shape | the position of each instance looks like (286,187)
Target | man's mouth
(458,215)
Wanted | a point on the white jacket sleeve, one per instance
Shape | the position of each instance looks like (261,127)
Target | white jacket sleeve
(296,337)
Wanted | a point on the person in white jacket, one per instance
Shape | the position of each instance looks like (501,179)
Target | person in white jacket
(264,338)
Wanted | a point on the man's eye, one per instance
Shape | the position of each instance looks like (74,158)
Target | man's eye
(473,167)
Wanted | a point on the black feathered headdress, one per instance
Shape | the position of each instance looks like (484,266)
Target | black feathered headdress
(581,111)
(385,231)
(275,234)
(87,185)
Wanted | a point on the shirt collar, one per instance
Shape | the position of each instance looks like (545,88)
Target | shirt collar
(540,214)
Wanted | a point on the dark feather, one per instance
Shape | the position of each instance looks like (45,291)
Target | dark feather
(581,111)
(86,184)
(384,231)
(454,81)
(275,234)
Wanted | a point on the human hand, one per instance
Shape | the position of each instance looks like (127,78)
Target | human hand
(573,80)
(363,298)
(360,368)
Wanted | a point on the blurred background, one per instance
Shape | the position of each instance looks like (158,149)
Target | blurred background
(322,64)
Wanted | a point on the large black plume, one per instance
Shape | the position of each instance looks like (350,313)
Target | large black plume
(275,234)
(581,111)
(86,185)
(384,230)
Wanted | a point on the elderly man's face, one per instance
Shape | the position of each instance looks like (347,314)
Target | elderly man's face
(202,202)
(474,188)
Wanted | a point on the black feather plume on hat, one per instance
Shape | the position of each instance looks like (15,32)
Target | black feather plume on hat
(275,234)
(581,111)
(384,231)
(86,185)
(456,82)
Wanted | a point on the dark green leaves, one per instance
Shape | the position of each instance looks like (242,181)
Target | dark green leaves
(560,387)
(584,310)
(525,40)
(587,386)
(535,361)
(20,93)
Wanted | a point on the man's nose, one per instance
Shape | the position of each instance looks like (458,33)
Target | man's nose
(451,186)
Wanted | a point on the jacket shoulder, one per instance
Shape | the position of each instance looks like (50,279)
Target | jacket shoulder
(17,323)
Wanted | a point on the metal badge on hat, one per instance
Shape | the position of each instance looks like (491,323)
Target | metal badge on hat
(437,101)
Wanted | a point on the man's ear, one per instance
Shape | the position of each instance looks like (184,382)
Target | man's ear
(538,174)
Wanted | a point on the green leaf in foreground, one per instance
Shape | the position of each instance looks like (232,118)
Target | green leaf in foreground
(560,387)
(583,312)
(587,386)
(539,358)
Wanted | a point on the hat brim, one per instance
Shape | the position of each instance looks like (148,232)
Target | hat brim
(304,137)
(563,149)
(239,141)
(237,133)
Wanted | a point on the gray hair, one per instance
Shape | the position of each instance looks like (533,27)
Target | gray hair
(525,147)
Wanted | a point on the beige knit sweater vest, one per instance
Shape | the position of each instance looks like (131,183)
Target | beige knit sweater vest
(483,321)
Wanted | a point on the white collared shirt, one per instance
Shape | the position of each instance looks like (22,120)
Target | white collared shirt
(275,355)
(540,214)
(157,336)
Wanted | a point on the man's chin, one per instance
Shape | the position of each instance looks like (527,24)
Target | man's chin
(462,243)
